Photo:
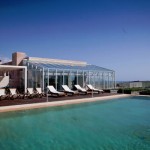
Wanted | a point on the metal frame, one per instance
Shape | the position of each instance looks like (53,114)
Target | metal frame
(105,81)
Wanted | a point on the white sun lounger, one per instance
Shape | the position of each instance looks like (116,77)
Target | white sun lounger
(39,92)
(68,90)
(53,91)
(2,94)
(31,93)
(80,89)
(13,93)
(91,88)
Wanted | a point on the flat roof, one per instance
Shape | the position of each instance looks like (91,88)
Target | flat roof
(58,61)
(11,67)
(48,65)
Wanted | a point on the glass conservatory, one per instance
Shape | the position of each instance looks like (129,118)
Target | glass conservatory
(43,72)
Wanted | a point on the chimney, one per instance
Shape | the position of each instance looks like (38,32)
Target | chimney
(17,58)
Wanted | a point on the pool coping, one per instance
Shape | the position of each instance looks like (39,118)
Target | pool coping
(58,103)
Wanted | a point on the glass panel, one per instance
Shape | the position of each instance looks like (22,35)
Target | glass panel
(52,80)
(37,78)
(90,75)
(86,79)
(59,82)
(97,81)
(45,78)
(100,81)
(92,80)
(30,78)
(66,78)
(72,80)
(80,79)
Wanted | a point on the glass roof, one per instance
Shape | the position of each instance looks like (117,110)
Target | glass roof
(47,65)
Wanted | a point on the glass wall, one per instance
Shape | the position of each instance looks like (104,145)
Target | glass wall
(41,77)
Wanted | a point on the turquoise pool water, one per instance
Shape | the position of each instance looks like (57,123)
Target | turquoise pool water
(120,124)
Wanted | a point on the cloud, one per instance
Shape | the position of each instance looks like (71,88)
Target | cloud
(4,59)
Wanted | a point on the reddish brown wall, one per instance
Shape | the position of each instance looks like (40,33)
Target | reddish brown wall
(17,58)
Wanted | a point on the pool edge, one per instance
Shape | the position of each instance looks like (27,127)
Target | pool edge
(58,103)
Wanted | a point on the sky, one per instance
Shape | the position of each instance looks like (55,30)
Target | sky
(113,34)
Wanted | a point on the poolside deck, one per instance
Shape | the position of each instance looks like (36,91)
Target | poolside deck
(50,99)
(16,105)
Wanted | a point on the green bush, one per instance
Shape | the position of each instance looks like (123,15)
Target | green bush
(136,89)
(107,91)
(120,91)
(125,91)
(129,90)
(145,92)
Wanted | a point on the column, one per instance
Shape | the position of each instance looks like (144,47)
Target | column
(63,77)
(25,79)
(43,80)
(77,77)
(48,77)
(56,79)
(83,79)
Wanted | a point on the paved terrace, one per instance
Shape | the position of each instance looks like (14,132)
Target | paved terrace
(23,104)
(50,99)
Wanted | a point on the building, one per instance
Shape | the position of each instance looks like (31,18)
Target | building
(44,71)
(134,84)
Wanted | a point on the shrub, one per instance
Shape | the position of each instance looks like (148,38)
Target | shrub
(125,91)
(145,92)
(120,91)
(107,91)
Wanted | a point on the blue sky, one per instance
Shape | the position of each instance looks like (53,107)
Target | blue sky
(110,33)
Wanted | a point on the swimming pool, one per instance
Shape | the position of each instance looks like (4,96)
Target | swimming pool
(117,124)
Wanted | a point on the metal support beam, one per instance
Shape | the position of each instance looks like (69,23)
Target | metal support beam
(25,79)
(94,79)
(48,77)
(99,78)
(56,79)
(103,81)
(43,80)
(114,82)
(83,79)
(89,77)
(77,76)
(108,82)
(63,78)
